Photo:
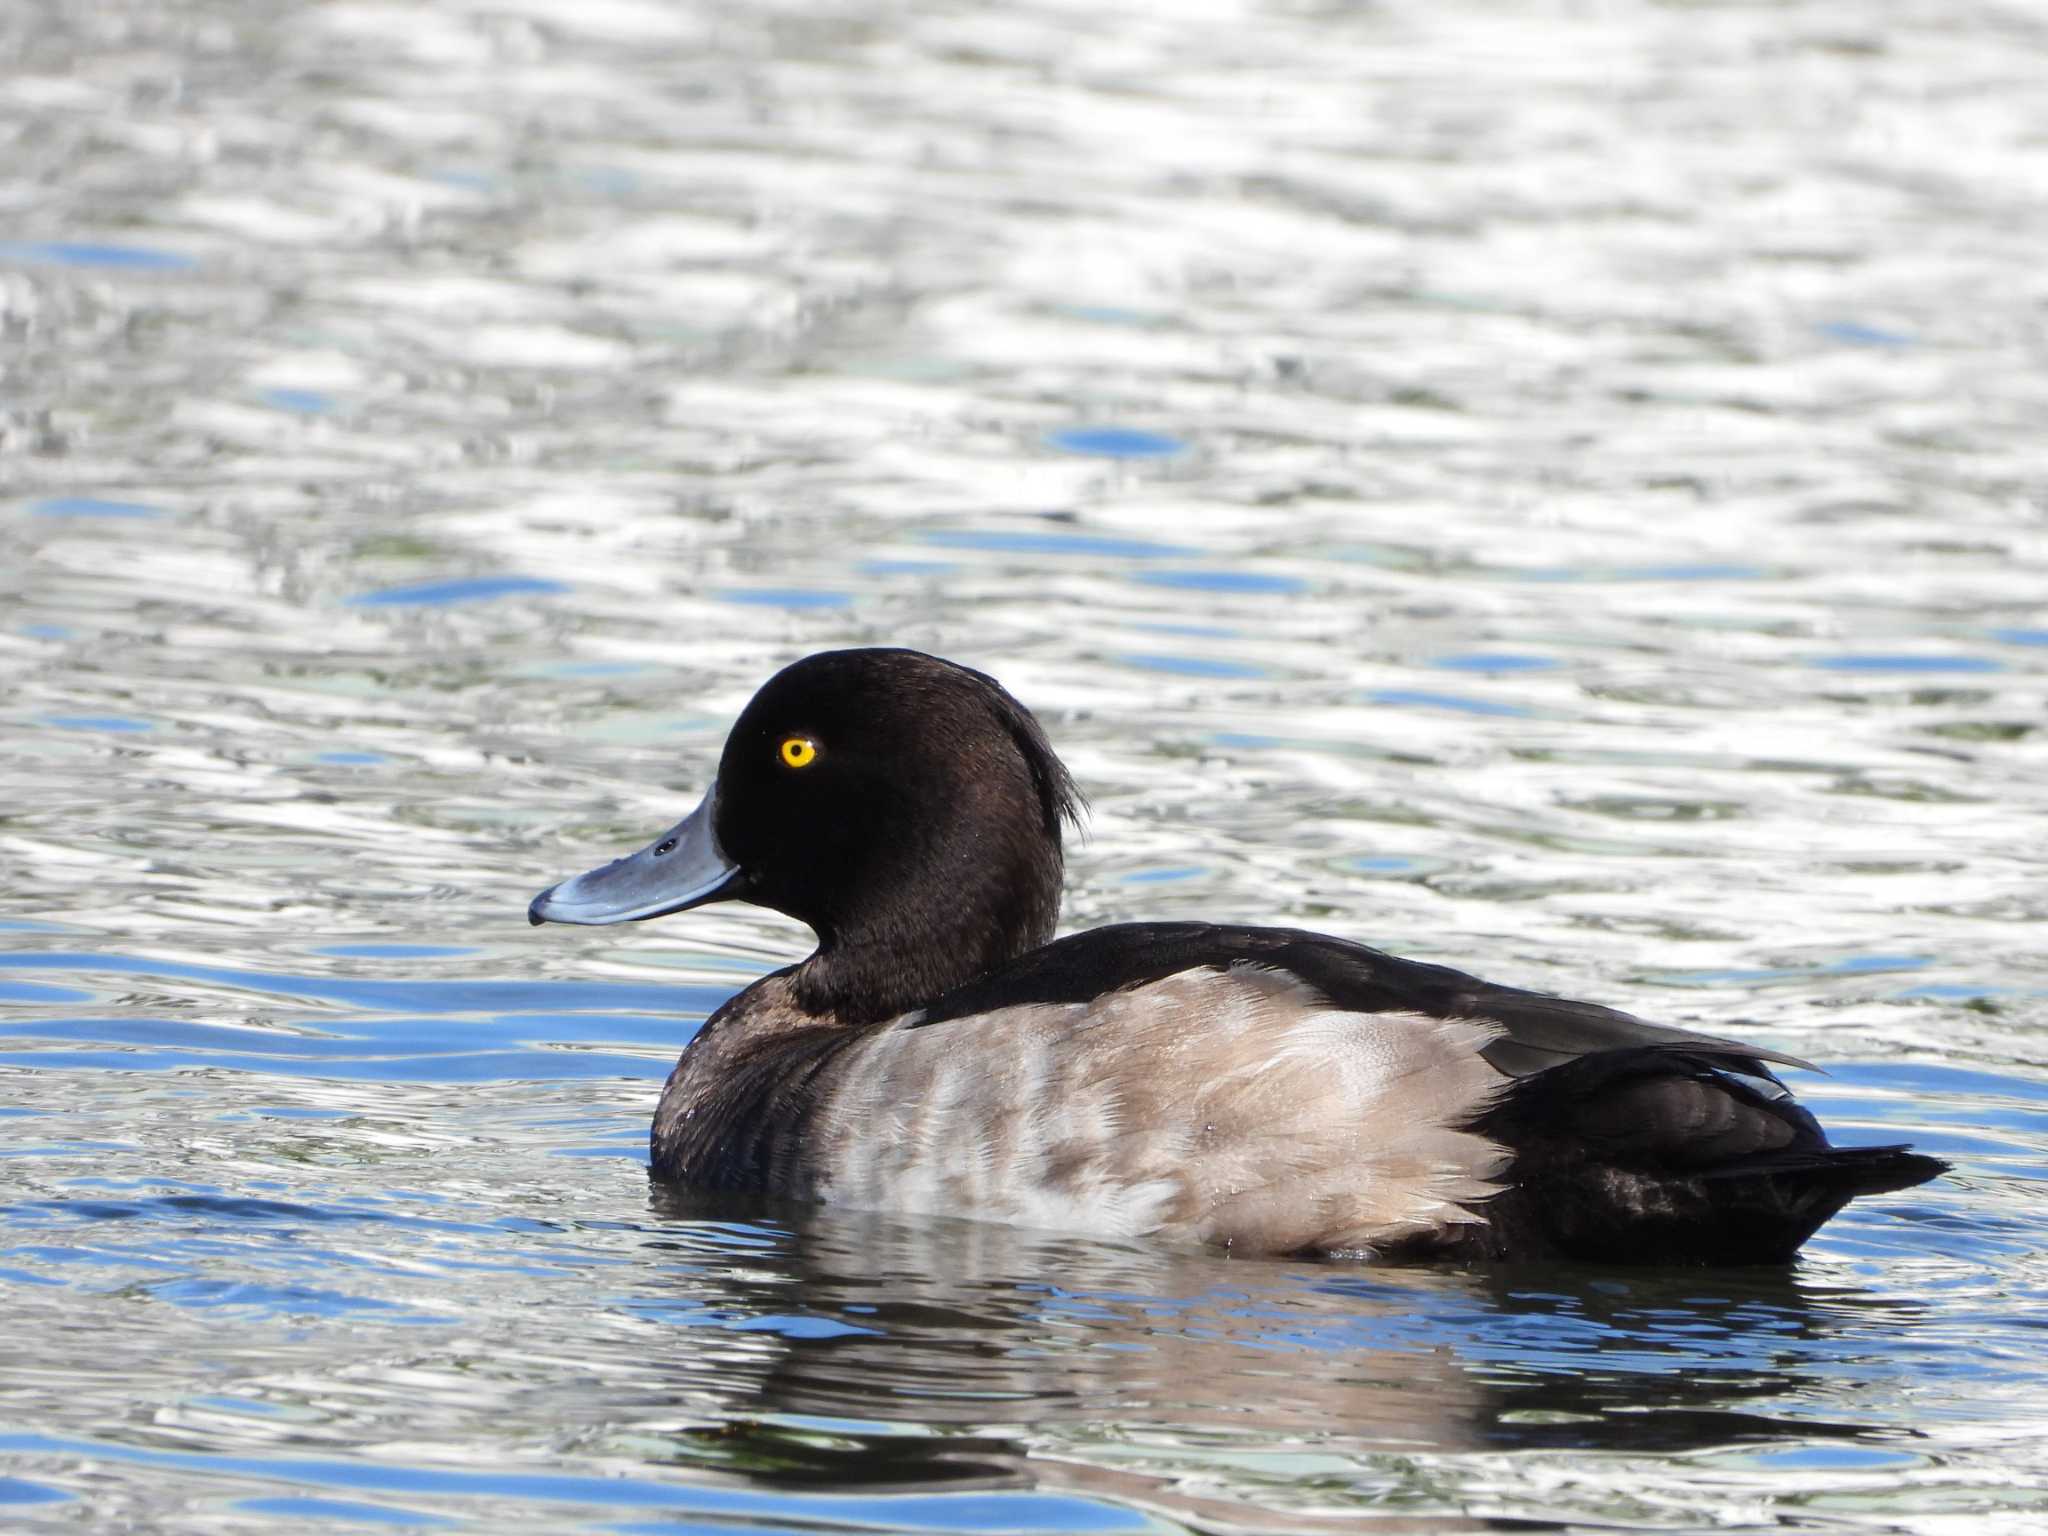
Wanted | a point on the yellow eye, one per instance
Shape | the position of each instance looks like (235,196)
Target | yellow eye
(799,751)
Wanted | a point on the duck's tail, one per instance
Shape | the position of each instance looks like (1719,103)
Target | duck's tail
(1669,1155)
(1766,1211)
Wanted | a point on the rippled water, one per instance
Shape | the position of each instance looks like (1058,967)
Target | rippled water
(1554,488)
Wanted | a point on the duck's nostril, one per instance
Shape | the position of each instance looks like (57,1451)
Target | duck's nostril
(666,845)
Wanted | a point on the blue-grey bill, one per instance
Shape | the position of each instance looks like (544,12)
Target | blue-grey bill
(684,867)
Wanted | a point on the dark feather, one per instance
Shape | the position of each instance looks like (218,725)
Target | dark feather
(1538,1031)
(1661,1155)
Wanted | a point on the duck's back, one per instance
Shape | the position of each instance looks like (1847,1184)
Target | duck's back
(1273,1091)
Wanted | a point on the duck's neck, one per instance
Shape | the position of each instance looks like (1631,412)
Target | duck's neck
(910,950)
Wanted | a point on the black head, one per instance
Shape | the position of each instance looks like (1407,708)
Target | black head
(905,808)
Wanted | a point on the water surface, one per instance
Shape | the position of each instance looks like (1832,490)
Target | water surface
(1556,490)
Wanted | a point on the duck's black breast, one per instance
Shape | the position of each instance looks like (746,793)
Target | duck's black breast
(737,1113)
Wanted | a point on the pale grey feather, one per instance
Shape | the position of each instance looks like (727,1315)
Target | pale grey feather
(1235,1108)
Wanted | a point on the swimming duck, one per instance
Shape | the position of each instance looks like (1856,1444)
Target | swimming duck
(1263,1090)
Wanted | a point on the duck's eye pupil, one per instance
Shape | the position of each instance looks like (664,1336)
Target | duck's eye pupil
(799,751)
(666,845)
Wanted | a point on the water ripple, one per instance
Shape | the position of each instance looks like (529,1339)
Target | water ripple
(1450,475)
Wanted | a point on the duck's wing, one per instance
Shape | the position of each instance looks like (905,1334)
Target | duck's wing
(1534,1031)
(1553,1127)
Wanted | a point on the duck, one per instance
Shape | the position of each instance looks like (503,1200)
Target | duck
(1255,1090)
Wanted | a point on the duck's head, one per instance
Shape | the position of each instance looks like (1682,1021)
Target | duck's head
(905,808)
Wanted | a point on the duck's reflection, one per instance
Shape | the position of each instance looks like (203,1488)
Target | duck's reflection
(1123,1370)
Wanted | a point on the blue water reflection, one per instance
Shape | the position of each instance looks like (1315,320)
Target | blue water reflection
(1495,661)
(302,402)
(376,994)
(1907,663)
(95,506)
(1222,581)
(1116,442)
(1188,666)
(85,253)
(443,594)
(19,1491)
(785,597)
(1024,542)
(991,1512)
